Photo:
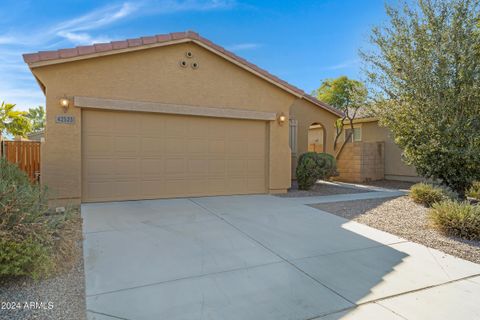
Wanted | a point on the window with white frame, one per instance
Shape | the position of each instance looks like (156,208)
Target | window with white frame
(356,136)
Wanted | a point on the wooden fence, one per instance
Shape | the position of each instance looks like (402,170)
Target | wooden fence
(26,154)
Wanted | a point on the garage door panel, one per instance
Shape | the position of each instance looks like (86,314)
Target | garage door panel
(236,167)
(176,126)
(255,148)
(175,187)
(125,122)
(128,155)
(100,168)
(235,185)
(151,146)
(126,189)
(98,145)
(151,167)
(255,167)
(197,167)
(151,127)
(152,188)
(175,146)
(97,190)
(175,166)
(127,167)
(256,184)
(196,186)
(236,130)
(257,132)
(215,186)
(216,167)
(99,122)
(197,146)
(216,147)
(126,145)
(237,148)
(196,128)
(216,130)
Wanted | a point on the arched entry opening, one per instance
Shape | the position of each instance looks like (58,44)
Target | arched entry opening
(316,137)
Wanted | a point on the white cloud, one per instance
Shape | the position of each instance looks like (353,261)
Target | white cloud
(82,38)
(342,65)
(96,19)
(173,6)
(243,46)
(5,39)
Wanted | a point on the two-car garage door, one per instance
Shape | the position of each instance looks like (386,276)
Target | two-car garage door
(133,155)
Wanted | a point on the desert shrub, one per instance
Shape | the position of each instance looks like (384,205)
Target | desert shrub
(313,166)
(10,174)
(27,257)
(428,194)
(460,219)
(474,190)
(29,231)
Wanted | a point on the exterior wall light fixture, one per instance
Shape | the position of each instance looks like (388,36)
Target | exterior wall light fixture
(64,103)
(281,118)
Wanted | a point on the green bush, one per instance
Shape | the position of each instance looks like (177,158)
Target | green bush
(11,175)
(313,166)
(474,190)
(428,194)
(27,257)
(453,218)
(29,231)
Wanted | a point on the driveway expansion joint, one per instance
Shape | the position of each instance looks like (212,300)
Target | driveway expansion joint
(350,250)
(419,289)
(107,315)
(273,252)
(183,278)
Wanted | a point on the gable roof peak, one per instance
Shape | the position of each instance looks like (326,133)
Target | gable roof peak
(90,51)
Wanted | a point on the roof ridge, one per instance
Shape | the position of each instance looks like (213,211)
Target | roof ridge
(31,58)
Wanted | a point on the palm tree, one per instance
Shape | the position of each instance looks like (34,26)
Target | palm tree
(12,121)
(37,118)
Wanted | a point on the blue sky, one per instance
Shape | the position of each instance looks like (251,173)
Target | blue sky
(302,42)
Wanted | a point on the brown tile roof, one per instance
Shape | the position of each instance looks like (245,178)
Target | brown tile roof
(365,112)
(33,58)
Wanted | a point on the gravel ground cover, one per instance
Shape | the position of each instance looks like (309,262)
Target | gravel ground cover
(404,218)
(320,189)
(58,298)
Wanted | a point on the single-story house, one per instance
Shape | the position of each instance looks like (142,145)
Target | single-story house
(171,115)
(374,148)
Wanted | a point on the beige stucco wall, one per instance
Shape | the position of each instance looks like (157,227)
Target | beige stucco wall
(154,75)
(306,113)
(395,168)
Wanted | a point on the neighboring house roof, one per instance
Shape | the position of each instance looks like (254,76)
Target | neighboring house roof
(365,112)
(36,135)
(42,58)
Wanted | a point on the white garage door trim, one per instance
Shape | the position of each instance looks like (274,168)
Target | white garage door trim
(155,107)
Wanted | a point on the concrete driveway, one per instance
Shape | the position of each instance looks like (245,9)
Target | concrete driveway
(262,257)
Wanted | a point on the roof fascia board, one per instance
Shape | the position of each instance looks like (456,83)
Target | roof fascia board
(106,53)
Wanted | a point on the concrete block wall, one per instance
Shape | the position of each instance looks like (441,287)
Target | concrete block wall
(361,162)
